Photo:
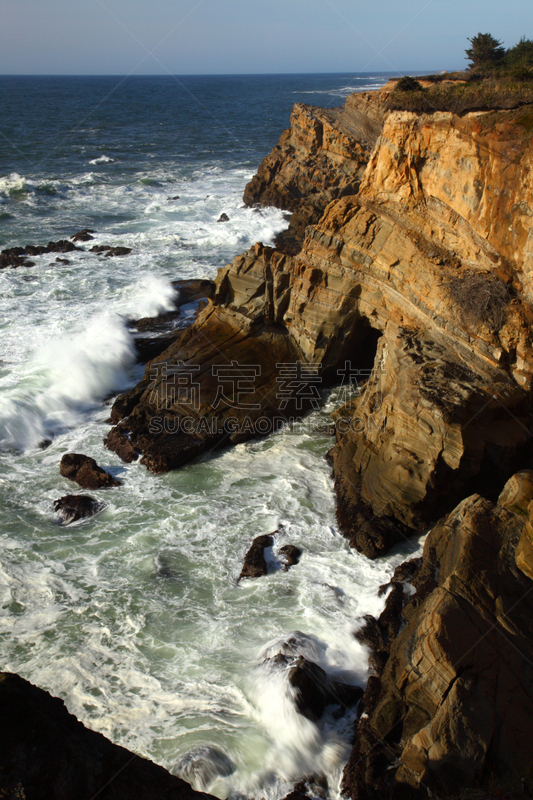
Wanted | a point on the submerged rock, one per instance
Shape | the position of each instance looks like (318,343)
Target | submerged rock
(291,555)
(203,765)
(107,250)
(73,507)
(84,471)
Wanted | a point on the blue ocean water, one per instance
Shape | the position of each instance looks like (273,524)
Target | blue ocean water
(134,617)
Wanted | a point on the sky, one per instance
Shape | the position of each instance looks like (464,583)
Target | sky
(190,37)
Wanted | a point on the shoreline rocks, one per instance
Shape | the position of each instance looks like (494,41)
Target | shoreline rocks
(84,471)
(451,700)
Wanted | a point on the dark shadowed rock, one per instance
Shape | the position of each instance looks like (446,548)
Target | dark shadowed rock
(73,507)
(46,754)
(84,471)
(254,564)
(107,250)
(223,218)
(291,555)
(121,445)
(83,236)
(313,689)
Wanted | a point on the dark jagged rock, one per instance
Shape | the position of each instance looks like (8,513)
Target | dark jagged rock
(62,246)
(83,236)
(84,471)
(17,256)
(117,441)
(166,326)
(107,250)
(291,555)
(73,507)
(46,754)
(223,218)
(254,565)
(313,689)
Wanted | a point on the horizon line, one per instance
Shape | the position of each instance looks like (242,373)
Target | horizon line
(355,73)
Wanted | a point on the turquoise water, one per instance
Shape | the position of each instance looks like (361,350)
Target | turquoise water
(135,617)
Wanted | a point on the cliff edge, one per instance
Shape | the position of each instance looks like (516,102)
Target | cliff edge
(407,275)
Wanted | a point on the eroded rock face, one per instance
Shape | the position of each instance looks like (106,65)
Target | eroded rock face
(84,471)
(47,754)
(322,156)
(454,698)
(379,282)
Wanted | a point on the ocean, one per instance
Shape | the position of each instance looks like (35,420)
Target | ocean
(135,617)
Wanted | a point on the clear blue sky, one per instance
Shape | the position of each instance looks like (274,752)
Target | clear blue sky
(115,37)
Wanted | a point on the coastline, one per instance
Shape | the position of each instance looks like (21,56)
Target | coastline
(363,276)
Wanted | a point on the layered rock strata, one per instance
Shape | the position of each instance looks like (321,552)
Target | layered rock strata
(450,703)
(320,157)
(424,274)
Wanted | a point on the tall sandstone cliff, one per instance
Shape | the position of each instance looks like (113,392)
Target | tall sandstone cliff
(410,249)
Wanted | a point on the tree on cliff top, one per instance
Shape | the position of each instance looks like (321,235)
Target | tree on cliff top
(486,51)
(521,53)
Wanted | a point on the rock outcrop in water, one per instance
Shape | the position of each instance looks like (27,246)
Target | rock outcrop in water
(84,471)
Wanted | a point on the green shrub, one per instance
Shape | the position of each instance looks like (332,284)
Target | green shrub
(481,95)
(408,84)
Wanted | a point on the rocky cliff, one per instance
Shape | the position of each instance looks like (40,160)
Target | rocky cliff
(450,703)
(423,271)
(407,275)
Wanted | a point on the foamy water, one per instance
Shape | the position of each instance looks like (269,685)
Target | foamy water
(135,617)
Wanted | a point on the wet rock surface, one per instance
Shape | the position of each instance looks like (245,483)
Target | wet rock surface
(290,555)
(84,471)
(73,507)
(46,754)
(254,564)
(17,256)
(313,689)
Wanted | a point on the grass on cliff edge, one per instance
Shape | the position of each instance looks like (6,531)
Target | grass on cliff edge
(459,98)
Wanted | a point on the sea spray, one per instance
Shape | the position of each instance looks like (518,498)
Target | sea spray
(68,375)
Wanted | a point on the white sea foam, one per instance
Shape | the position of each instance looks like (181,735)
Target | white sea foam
(67,375)
(101,160)
(150,295)
(12,184)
